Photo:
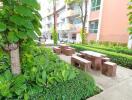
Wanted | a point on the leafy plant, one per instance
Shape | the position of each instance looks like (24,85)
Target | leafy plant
(83,37)
(41,69)
(19,21)
(54,36)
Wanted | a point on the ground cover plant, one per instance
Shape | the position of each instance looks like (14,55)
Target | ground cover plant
(119,58)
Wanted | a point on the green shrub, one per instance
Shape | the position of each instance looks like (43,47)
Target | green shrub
(107,43)
(121,59)
(83,36)
(44,76)
(117,49)
(54,36)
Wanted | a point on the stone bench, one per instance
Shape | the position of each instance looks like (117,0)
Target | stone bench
(109,69)
(81,63)
(57,50)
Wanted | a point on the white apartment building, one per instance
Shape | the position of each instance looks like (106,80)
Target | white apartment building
(68,22)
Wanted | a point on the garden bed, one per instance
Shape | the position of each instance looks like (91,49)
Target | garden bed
(44,76)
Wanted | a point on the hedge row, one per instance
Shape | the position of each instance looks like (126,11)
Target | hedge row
(117,49)
(107,43)
(121,59)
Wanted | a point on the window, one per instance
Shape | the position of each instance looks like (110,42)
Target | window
(95,5)
(77,21)
(93,26)
(49,17)
(74,36)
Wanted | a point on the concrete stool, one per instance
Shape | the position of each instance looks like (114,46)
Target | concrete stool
(57,50)
(68,52)
(105,59)
(73,49)
(63,47)
(109,69)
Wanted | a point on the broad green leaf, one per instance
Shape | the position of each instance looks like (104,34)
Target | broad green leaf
(24,11)
(12,37)
(22,35)
(31,3)
(5,89)
(18,20)
(8,75)
(44,76)
(26,96)
(0,37)
(2,27)
(37,14)
(18,84)
(37,30)
(31,34)
(20,89)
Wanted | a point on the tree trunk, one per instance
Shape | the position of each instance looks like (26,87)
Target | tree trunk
(55,17)
(84,22)
(55,23)
(15,59)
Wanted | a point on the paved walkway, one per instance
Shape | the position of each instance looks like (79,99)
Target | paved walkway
(115,88)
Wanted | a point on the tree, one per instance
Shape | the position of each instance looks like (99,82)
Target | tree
(54,31)
(19,22)
(83,5)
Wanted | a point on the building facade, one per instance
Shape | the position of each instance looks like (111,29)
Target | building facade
(107,20)
(68,22)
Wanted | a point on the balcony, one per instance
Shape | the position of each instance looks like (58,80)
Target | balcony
(66,27)
(70,28)
(72,13)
